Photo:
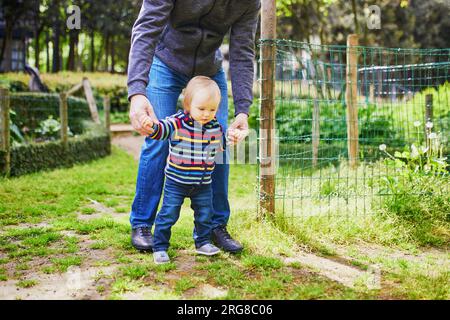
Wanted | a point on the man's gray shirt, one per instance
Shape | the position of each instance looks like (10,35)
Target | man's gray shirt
(187,34)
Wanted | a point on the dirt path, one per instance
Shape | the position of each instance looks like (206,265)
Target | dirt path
(130,143)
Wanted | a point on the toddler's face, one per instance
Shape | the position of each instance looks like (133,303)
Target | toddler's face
(203,108)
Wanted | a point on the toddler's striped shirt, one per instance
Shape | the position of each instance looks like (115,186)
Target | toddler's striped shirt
(192,147)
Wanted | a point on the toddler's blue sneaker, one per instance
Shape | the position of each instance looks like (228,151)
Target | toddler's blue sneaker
(161,257)
(208,249)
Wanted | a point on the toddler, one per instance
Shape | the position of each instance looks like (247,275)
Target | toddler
(195,137)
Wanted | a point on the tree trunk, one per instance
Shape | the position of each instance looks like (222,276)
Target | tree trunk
(307,24)
(295,22)
(47,49)
(127,60)
(73,39)
(56,47)
(6,46)
(355,16)
(92,51)
(37,48)
(113,53)
(107,37)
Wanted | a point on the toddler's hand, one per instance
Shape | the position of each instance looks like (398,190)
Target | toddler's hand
(147,123)
(235,135)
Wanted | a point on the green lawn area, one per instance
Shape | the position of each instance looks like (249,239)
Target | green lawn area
(53,222)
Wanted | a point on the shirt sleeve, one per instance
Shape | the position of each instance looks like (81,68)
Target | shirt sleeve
(145,34)
(164,129)
(242,54)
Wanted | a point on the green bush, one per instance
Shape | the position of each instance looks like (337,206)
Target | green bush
(294,122)
(32,108)
(420,203)
(103,83)
(441,113)
(415,189)
(50,155)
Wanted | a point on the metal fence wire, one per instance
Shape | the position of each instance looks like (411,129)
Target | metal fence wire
(2,120)
(36,117)
(402,99)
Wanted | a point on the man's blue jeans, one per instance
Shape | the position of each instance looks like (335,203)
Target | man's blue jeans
(164,88)
(201,203)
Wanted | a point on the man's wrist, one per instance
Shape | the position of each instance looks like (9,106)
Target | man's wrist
(241,113)
(137,96)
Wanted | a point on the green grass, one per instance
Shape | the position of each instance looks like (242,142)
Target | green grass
(62,264)
(3,275)
(55,199)
(184,284)
(27,283)
(262,262)
(87,210)
(135,271)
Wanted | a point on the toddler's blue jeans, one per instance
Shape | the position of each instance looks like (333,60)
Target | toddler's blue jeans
(164,87)
(201,203)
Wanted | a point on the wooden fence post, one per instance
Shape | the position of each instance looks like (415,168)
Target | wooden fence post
(267,119)
(351,99)
(315,133)
(90,99)
(4,129)
(63,114)
(107,109)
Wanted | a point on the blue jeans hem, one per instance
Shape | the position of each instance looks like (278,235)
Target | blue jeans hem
(201,244)
(159,249)
(141,226)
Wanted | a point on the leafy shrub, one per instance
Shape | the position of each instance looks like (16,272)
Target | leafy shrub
(416,190)
(294,120)
(50,155)
(103,83)
(50,129)
(32,108)
(419,202)
(120,117)
(414,110)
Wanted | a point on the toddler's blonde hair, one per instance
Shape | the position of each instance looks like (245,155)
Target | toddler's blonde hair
(197,83)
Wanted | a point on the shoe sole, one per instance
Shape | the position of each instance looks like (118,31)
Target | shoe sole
(142,248)
(229,251)
(208,254)
(232,251)
(161,262)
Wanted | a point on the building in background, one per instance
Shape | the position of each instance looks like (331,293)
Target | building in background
(14,56)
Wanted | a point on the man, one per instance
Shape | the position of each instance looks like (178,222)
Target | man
(171,42)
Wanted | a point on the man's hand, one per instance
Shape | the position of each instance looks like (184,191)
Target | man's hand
(238,129)
(142,116)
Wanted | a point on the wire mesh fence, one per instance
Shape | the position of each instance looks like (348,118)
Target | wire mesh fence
(3,107)
(37,118)
(401,116)
(43,131)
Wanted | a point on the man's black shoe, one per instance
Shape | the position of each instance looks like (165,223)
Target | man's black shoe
(141,238)
(223,240)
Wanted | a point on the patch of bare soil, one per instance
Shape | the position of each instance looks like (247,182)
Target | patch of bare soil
(76,283)
(343,273)
(79,282)
(374,251)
